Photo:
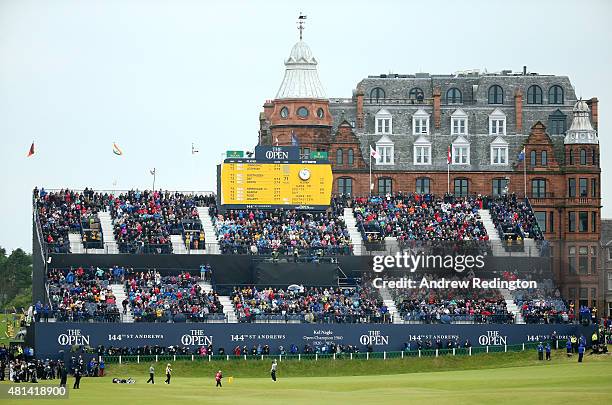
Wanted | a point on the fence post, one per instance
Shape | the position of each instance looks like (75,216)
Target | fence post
(245,356)
(280,357)
(470,351)
(138,359)
(156,358)
(454,351)
(402,354)
(334,356)
(299,356)
(351,356)
(384,355)
(192,357)
(367,355)
(523,346)
(316,357)
(174,357)
(419,352)
(505,348)
(487,349)
(209,357)
(119,359)
(227,357)
(436,352)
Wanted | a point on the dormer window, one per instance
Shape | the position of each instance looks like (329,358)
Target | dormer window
(383,122)
(461,151)
(497,123)
(459,123)
(385,149)
(420,123)
(422,151)
(499,152)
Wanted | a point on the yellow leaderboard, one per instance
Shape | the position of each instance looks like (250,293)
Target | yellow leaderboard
(272,184)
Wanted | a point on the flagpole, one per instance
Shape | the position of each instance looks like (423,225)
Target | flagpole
(370,182)
(525,175)
(447,177)
(154,173)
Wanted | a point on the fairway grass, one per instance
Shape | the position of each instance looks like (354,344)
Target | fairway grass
(561,381)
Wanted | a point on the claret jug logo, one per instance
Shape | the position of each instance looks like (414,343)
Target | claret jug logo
(73,337)
(196,337)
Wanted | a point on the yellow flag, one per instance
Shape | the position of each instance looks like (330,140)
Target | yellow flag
(230,380)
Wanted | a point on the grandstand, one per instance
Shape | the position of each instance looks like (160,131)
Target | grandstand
(151,259)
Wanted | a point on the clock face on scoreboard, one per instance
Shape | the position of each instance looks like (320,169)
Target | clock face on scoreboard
(304,174)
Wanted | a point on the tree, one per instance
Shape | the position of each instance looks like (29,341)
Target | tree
(15,275)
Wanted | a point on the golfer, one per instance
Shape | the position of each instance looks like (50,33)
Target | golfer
(151,375)
(168,373)
(218,378)
(273,371)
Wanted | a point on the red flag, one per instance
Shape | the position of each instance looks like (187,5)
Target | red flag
(449,156)
(31,151)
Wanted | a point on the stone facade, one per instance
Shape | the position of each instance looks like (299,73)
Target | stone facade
(562,185)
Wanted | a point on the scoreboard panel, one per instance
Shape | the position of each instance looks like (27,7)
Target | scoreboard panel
(275,184)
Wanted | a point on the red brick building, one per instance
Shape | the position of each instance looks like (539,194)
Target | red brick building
(484,121)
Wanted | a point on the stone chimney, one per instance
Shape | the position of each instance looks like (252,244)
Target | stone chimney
(593,104)
(360,115)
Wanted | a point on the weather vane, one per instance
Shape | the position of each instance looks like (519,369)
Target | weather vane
(301,22)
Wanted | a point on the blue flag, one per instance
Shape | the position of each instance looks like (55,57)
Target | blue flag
(521,155)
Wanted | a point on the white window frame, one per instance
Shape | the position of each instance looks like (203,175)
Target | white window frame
(386,153)
(499,144)
(420,119)
(460,149)
(425,156)
(497,122)
(383,123)
(456,118)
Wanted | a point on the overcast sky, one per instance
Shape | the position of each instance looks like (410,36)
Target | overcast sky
(155,76)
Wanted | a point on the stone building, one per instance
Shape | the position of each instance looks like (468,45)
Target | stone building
(465,133)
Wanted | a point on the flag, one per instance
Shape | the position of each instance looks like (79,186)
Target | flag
(152,172)
(449,156)
(116,150)
(521,155)
(193,149)
(294,140)
(31,151)
(276,140)
(301,17)
(374,153)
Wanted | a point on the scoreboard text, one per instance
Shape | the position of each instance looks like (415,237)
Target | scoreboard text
(246,183)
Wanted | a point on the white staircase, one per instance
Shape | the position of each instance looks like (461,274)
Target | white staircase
(228,307)
(512,307)
(178,245)
(76,244)
(210,236)
(120,295)
(354,234)
(531,249)
(390,303)
(110,243)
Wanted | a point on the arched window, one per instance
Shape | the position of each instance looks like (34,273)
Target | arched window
(583,160)
(416,94)
(423,185)
(350,157)
(496,95)
(339,157)
(544,158)
(532,158)
(555,95)
(345,186)
(454,96)
(461,187)
(534,94)
(376,94)
(385,186)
